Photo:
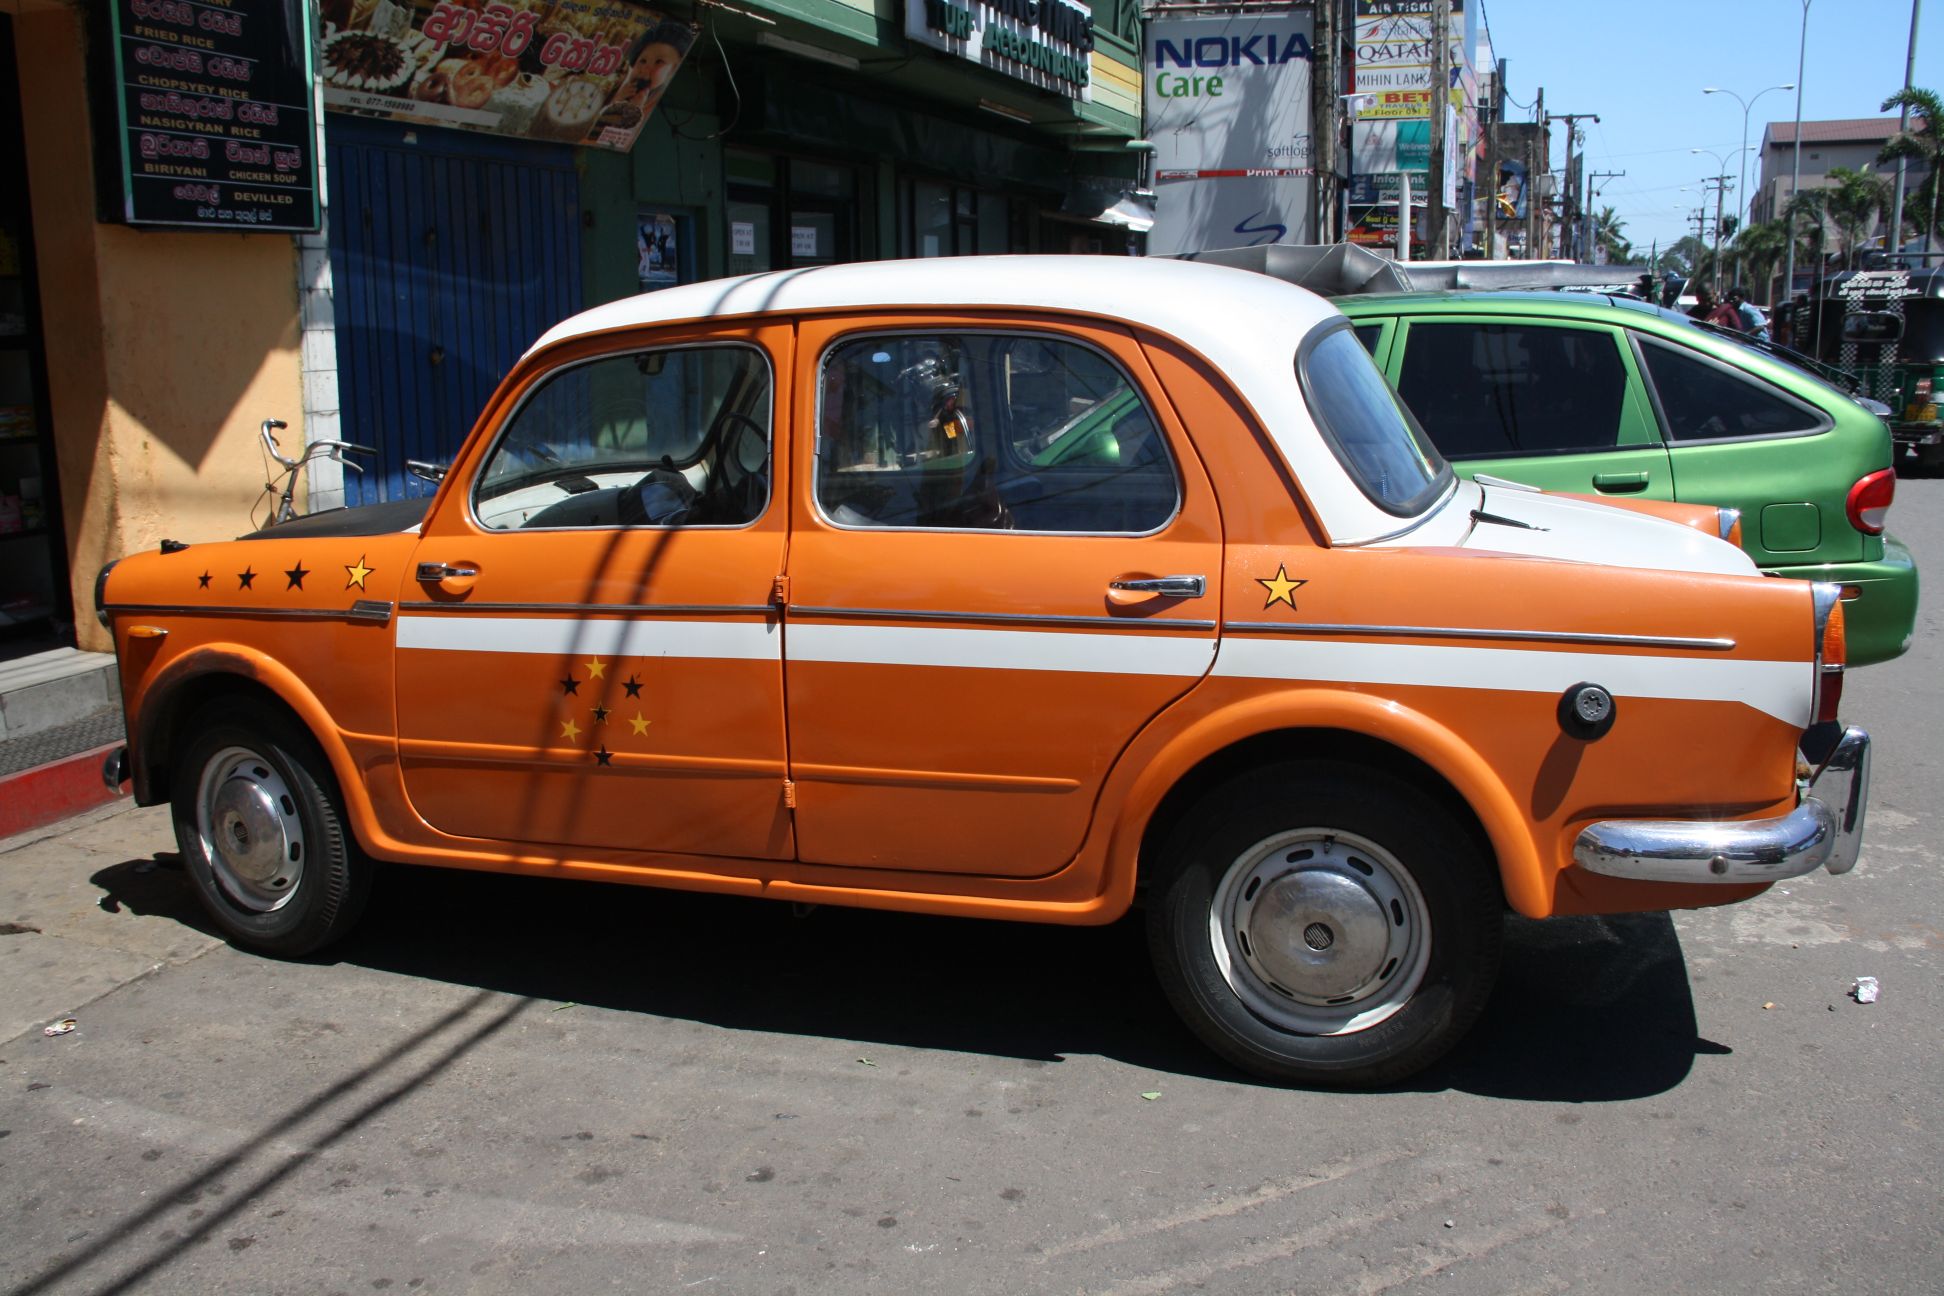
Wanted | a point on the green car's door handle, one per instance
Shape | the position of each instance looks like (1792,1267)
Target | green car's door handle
(1620,483)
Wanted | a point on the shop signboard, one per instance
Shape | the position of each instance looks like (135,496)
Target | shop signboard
(213,114)
(586,72)
(1227,103)
(1045,43)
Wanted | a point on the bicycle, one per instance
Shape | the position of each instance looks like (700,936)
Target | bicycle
(285,510)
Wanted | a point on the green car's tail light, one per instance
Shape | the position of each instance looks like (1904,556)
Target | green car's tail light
(1869,500)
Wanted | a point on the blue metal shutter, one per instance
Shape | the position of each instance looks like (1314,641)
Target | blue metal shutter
(449,256)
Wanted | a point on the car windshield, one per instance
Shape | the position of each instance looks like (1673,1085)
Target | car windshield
(1370,430)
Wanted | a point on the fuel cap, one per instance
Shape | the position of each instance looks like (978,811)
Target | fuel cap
(1586,711)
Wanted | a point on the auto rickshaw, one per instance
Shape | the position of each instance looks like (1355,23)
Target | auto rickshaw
(1885,324)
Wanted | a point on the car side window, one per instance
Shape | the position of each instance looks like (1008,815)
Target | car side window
(1370,335)
(1704,401)
(671,437)
(988,431)
(1494,390)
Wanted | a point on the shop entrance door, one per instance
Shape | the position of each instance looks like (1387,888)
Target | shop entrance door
(450,253)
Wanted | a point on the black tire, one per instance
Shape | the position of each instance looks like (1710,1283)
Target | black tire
(1380,912)
(293,879)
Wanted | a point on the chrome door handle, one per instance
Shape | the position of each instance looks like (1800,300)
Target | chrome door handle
(1172,586)
(431,572)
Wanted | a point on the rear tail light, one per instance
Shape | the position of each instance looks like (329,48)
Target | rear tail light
(1832,653)
(1869,500)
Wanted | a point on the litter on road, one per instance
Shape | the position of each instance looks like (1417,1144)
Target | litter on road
(1865,990)
(62,1027)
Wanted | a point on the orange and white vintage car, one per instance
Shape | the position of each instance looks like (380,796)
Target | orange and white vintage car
(1023,588)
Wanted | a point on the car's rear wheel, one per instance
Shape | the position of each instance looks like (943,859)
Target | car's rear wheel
(1325,925)
(257,815)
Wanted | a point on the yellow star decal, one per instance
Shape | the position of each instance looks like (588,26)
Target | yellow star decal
(569,730)
(596,668)
(640,726)
(356,573)
(1281,588)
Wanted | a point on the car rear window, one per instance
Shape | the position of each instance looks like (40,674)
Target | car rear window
(1701,400)
(1368,428)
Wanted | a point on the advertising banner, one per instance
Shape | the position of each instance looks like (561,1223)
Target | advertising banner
(571,71)
(1227,104)
(213,107)
(1045,43)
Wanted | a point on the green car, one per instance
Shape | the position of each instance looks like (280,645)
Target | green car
(1603,395)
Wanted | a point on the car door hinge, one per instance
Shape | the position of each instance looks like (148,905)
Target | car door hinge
(780,592)
(789,794)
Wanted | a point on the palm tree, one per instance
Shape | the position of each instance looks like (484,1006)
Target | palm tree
(1757,249)
(1606,233)
(1853,200)
(1807,213)
(1919,144)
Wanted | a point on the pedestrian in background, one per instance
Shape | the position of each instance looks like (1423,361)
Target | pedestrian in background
(1750,318)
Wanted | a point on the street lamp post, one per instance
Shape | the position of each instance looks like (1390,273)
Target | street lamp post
(1795,172)
(1741,181)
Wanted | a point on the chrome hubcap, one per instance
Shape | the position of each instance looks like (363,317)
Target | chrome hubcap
(251,834)
(1320,932)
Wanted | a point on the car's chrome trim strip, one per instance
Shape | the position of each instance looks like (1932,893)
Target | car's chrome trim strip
(1474,632)
(598,609)
(363,610)
(999,618)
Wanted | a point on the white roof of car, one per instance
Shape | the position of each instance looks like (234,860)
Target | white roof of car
(1248,325)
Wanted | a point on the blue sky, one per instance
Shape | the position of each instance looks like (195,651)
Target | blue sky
(1641,65)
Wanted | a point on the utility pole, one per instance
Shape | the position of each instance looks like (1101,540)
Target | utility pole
(1795,168)
(1538,164)
(1720,183)
(1434,198)
(1575,184)
(1592,243)
(1326,119)
(1903,124)
(1494,141)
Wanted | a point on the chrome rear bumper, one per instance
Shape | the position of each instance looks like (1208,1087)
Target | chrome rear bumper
(1824,831)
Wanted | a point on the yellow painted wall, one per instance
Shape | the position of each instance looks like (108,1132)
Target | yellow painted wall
(164,350)
(1115,85)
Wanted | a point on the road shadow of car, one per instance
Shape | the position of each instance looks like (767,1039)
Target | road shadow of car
(1587,1009)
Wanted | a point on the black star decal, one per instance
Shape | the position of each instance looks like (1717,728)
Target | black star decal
(604,756)
(600,715)
(202,581)
(633,686)
(296,575)
(245,577)
(569,685)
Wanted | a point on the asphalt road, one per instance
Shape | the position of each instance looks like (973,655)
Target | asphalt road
(506,1085)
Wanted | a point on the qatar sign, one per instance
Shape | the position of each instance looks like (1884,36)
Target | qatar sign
(1227,102)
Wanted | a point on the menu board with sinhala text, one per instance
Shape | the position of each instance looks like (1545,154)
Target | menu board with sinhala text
(214,106)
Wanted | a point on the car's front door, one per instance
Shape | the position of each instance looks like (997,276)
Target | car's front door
(1005,558)
(587,651)
(1547,403)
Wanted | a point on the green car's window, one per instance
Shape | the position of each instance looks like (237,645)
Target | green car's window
(1703,401)
(988,431)
(1489,391)
(674,437)
(1370,335)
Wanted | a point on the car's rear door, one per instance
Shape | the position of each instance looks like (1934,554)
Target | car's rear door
(1551,403)
(1004,559)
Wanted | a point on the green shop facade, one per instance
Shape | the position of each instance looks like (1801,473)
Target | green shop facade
(788,133)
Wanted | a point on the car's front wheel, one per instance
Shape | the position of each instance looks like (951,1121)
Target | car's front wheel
(257,815)
(1326,925)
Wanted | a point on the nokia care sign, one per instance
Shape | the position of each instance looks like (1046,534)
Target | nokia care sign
(1228,110)
(1046,43)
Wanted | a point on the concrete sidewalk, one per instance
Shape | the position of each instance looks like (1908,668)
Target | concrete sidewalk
(90,904)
